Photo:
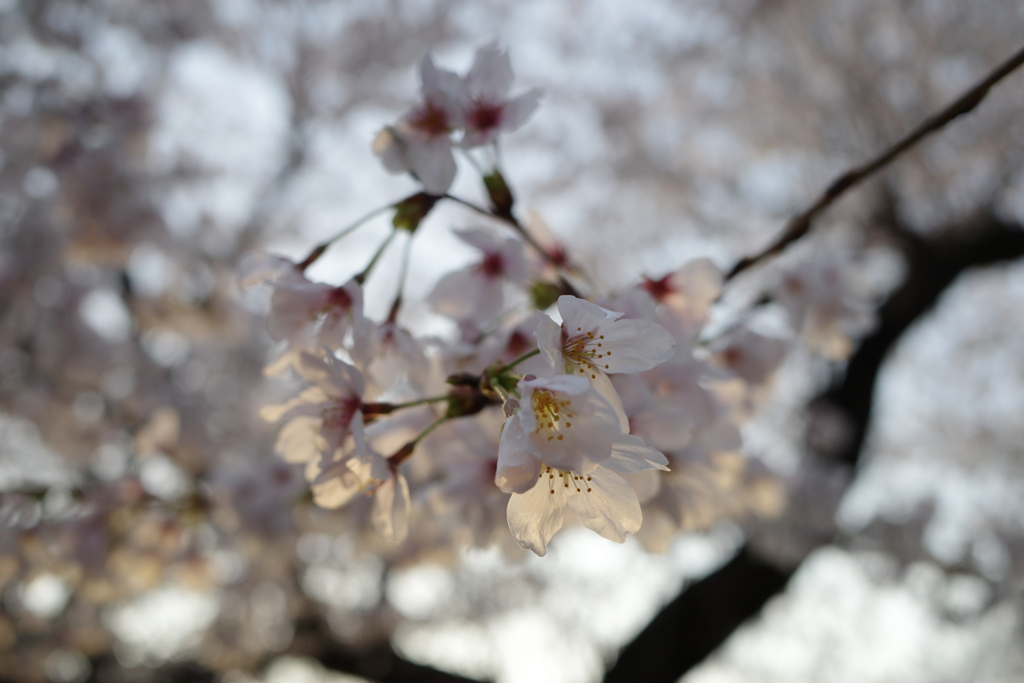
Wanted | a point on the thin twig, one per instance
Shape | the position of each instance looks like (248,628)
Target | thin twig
(518,227)
(800,225)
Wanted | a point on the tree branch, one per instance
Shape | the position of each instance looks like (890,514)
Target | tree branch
(800,225)
(704,615)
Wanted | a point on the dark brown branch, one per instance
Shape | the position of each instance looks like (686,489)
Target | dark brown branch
(705,614)
(932,267)
(800,225)
(694,624)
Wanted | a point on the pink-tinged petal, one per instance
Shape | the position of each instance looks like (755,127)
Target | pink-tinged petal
(630,454)
(610,508)
(664,426)
(603,385)
(300,440)
(436,81)
(307,403)
(635,394)
(467,294)
(750,355)
(391,148)
(645,483)
(518,465)
(566,384)
(514,261)
(334,376)
(549,341)
(261,267)
(432,162)
(516,111)
(634,346)
(482,239)
(698,283)
(490,77)
(364,334)
(535,516)
(579,315)
(334,492)
(454,295)
(391,509)
(294,307)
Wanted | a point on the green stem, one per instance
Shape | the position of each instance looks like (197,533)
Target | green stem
(420,402)
(405,451)
(517,361)
(361,277)
(393,315)
(322,247)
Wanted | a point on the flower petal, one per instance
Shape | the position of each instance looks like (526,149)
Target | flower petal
(635,345)
(549,341)
(610,508)
(631,454)
(391,507)
(535,516)
(515,113)
(517,461)
(577,313)
(433,163)
(490,77)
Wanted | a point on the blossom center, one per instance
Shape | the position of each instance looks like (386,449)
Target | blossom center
(484,116)
(585,352)
(337,300)
(493,265)
(552,414)
(566,478)
(340,411)
(431,119)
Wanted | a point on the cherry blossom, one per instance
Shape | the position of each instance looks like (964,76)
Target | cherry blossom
(594,342)
(475,292)
(488,110)
(309,316)
(749,355)
(817,296)
(565,428)
(322,417)
(419,143)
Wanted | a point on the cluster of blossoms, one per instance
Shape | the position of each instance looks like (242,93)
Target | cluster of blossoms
(614,411)
(477,105)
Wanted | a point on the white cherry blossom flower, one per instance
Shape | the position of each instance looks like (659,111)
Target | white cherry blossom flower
(820,298)
(565,429)
(419,143)
(599,497)
(563,422)
(594,342)
(488,111)
(687,294)
(309,316)
(475,292)
(323,416)
(750,356)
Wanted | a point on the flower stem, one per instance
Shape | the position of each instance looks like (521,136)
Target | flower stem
(405,451)
(527,237)
(517,361)
(322,247)
(361,277)
(393,315)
